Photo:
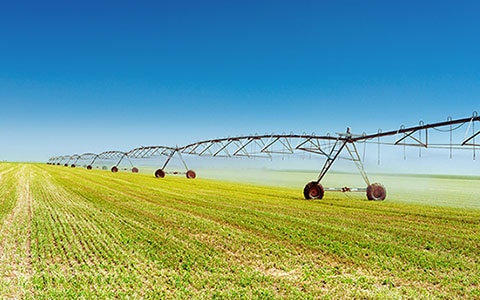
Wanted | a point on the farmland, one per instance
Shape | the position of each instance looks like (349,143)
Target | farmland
(73,233)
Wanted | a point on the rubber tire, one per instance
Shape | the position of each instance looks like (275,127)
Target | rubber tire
(313,190)
(191,174)
(134,170)
(376,191)
(160,173)
(114,169)
(89,167)
(73,166)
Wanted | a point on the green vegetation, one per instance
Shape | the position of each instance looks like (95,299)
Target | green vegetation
(73,233)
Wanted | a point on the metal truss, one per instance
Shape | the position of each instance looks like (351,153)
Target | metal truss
(118,156)
(168,152)
(259,145)
(150,151)
(63,160)
(328,146)
(406,136)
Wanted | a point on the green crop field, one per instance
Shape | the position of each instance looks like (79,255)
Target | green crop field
(73,233)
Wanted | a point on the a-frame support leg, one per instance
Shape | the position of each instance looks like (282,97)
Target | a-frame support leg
(355,157)
(160,173)
(332,156)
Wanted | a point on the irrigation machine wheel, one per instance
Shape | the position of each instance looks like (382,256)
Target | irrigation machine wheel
(89,167)
(376,191)
(73,166)
(114,169)
(134,170)
(313,190)
(191,174)
(159,173)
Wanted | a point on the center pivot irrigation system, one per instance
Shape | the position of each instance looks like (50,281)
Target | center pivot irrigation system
(280,144)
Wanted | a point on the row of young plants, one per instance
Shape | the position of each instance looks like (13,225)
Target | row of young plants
(15,232)
(102,235)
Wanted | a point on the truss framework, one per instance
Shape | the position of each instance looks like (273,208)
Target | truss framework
(269,145)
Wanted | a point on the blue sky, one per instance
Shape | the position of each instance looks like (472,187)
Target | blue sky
(90,76)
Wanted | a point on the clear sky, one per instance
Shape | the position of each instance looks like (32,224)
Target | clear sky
(89,76)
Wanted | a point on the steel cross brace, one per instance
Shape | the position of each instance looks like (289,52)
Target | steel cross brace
(176,150)
(331,157)
(93,160)
(121,159)
(358,162)
(410,135)
(344,141)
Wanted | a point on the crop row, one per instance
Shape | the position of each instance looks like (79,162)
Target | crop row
(98,235)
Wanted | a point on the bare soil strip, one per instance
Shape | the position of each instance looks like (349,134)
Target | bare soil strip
(15,241)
